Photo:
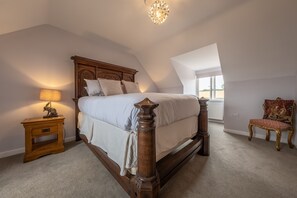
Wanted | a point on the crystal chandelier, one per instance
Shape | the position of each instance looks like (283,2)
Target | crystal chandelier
(158,12)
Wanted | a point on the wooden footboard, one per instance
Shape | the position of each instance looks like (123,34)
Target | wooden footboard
(203,126)
(152,175)
(147,179)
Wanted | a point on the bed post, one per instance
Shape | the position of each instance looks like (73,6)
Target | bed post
(147,180)
(203,126)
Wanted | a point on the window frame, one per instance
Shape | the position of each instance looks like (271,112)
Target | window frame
(213,92)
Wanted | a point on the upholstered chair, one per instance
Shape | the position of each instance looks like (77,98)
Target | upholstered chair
(278,117)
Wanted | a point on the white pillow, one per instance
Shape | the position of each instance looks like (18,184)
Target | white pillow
(110,87)
(131,87)
(93,88)
(86,88)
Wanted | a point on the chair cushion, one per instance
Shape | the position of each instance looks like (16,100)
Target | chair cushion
(270,124)
(279,110)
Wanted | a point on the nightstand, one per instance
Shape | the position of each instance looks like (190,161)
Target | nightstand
(37,128)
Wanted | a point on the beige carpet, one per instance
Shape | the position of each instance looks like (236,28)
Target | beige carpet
(235,168)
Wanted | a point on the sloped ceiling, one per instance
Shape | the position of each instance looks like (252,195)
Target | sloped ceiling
(200,59)
(124,22)
(19,14)
(251,35)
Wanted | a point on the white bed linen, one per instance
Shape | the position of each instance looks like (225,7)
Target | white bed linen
(119,110)
(121,145)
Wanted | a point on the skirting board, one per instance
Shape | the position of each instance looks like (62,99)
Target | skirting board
(69,139)
(22,150)
(216,120)
(12,152)
(256,135)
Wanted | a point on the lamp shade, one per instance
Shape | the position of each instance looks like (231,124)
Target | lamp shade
(50,95)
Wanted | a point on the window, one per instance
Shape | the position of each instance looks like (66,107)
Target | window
(211,87)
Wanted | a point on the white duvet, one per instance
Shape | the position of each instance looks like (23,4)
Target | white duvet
(119,110)
(110,122)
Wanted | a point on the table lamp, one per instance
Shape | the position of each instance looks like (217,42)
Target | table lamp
(50,95)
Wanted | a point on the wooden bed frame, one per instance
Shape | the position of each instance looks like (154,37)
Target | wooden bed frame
(151,175)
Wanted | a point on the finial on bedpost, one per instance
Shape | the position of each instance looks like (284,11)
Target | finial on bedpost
(203,126)
(147,180)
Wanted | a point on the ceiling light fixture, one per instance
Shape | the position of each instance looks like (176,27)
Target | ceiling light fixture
(158,12)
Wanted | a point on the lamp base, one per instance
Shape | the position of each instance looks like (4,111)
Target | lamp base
(51,112)
(50,116)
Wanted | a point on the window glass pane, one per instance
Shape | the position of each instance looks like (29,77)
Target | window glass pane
(204,87)
(219,87)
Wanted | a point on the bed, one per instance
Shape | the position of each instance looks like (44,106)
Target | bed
(154,168)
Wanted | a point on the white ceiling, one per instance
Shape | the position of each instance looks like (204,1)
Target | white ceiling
(201,59)
(124,22)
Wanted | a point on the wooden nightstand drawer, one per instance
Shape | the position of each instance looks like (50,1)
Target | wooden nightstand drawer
(36,128)
(43,130)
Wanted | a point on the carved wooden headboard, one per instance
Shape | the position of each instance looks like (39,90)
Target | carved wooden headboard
(92,69)
(85,68)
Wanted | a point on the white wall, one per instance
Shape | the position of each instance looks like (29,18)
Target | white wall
(256,40)
(177,90)
(187,76)
(245,100)
(37,58)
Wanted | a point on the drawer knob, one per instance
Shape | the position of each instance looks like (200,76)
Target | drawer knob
(46,130)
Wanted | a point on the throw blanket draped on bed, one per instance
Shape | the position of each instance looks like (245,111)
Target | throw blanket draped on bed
(119,110)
